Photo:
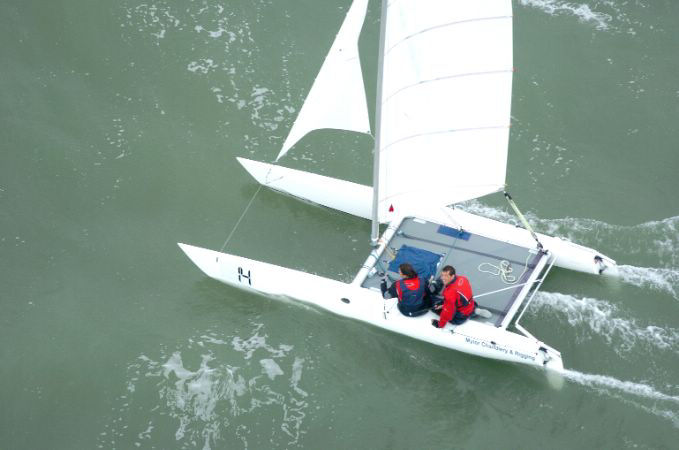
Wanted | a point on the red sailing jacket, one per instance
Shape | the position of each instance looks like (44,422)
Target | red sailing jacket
(452,300)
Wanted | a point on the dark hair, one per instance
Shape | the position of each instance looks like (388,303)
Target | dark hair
(450,270)
(407,270)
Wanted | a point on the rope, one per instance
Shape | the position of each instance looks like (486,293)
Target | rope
(504,270)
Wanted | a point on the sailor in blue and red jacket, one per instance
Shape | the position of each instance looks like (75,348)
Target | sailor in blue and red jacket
(458,300)
(410,290)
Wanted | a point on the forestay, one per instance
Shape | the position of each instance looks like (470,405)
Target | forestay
(446,101)
(337,97)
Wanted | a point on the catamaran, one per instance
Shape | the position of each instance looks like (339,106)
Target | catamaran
(442,135)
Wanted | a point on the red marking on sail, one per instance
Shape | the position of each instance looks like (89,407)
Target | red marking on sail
(391,208)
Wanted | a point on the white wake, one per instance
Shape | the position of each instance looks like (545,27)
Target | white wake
(606,16)
(607,321)
(659,279)
(637,394)
(580,10)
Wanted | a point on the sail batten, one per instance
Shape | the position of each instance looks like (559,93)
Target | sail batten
(458,22)
(457,75)
(433,133)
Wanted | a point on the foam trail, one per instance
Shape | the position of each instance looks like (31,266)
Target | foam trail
(604,320)
(582,12)
(607,384)
(660,279)
(624,389)
(211,402)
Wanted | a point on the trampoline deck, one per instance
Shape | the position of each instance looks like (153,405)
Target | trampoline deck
(474,256)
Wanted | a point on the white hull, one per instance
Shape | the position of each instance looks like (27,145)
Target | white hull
(366,305)
(345,196)
(356,199)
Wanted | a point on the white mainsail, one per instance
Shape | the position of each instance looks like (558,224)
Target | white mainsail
(337,97)
(445,102)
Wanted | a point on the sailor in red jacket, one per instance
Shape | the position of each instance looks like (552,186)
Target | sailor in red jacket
(458,301)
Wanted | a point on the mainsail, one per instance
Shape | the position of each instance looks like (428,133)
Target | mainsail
(445,102)
(337,97)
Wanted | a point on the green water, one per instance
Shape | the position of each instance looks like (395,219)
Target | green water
(120,124)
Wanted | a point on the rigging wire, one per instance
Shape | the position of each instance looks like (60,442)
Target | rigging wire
(446,211)
(267,181)
(240,218)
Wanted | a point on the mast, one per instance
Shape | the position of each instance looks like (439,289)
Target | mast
(375,231)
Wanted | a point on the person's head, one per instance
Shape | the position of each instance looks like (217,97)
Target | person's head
(447,274)
(407,271)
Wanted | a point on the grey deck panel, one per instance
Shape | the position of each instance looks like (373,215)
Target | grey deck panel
(466,256)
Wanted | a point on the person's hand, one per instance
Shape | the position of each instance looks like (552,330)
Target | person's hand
(435,323)
(434,286)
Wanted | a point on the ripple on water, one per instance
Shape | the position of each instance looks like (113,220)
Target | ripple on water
(604,15)
(238,381)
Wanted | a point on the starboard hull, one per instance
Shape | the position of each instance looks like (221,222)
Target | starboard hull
(355,199)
